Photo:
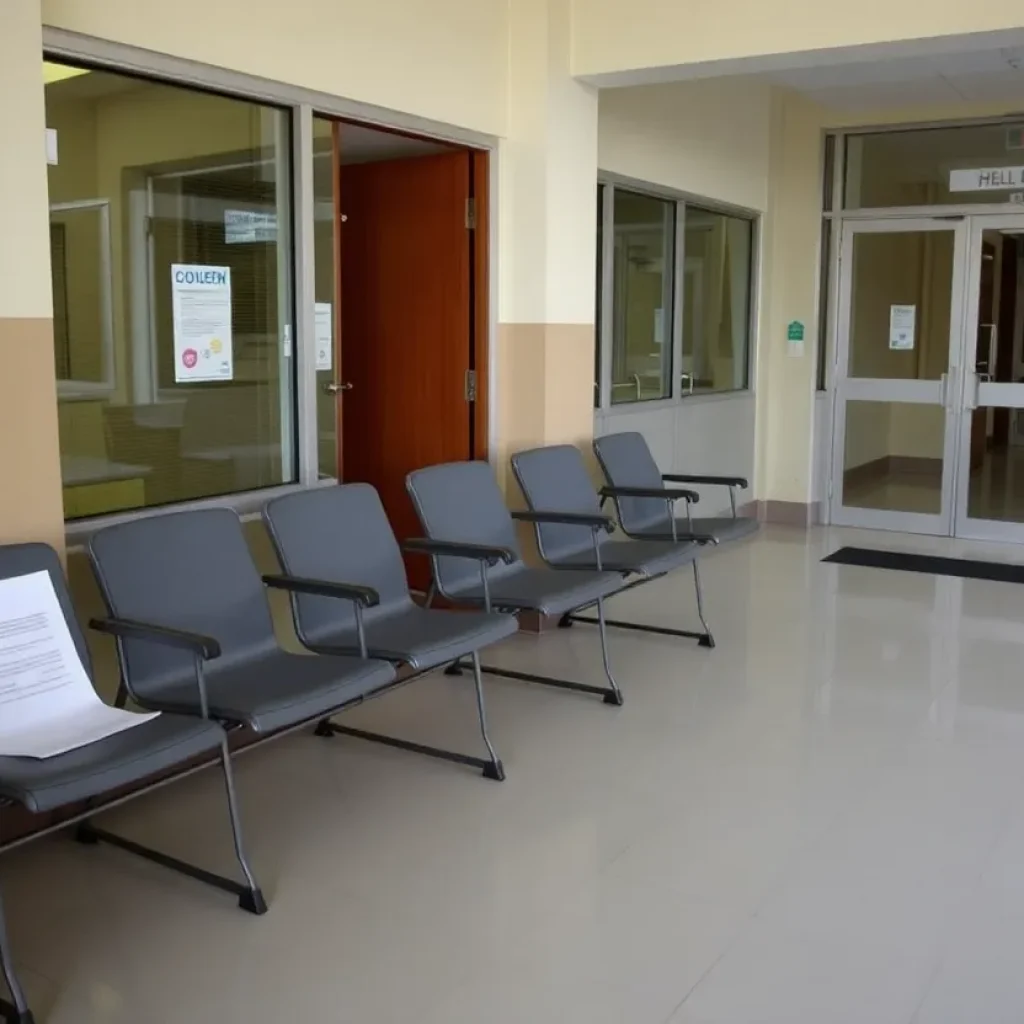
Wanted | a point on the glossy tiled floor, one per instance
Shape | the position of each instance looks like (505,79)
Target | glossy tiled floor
(820,821)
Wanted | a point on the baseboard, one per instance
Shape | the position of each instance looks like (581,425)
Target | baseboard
(785,513)
(891,465)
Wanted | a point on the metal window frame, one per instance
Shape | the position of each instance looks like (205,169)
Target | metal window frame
(70,389)
(300,104)
(682,200)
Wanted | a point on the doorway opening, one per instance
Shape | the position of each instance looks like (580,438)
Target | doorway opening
(929,416)
(402,308)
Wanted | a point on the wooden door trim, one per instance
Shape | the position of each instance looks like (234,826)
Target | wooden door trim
(480,185)
(339,441)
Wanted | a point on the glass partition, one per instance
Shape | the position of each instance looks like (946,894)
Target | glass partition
(172,252)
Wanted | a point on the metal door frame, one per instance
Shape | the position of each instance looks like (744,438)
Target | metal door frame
(945,392)
(975,392)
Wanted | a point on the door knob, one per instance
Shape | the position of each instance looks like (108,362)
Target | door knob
(333,387)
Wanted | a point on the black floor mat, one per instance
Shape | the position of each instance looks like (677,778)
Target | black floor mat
(1002,572)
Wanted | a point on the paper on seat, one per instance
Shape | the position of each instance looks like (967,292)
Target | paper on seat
(47,703)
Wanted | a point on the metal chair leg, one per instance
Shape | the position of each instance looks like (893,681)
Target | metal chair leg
(615,697)
(494,770)
(707,640)
(16,1011)
(252,900)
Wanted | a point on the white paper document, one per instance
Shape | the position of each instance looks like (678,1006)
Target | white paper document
(324,331)
(47,704)
(201,308)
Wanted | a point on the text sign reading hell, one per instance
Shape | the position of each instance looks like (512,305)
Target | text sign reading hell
(986,179)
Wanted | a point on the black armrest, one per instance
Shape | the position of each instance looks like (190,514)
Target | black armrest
(489,553)
(666,493)
(703,478)
(205,647)
(595,520)
(365,597)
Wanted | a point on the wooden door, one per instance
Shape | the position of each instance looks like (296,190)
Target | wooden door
(407,324)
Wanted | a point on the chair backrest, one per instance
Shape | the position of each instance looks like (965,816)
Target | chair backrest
(555,479)
(626,461)
(186,570)
(23,559)
(461,501)
(340,534)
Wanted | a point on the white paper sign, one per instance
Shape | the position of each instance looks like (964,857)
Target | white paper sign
(902,323)
(986,179)
(249,226)
(47,704)
(201,303)
(324,331)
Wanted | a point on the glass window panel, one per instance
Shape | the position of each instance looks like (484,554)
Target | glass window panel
(893,456)
(824,299)
(716,301)
(642,298)
(914,168)
(326,276)
(908,270)
(153,407)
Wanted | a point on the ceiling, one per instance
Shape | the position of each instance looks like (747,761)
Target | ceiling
(980,76)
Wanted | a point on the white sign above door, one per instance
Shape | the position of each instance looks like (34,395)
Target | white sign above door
(986,179)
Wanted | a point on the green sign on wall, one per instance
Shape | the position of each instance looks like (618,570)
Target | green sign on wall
(795,331)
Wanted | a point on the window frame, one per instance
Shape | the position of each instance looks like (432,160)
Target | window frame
(69,389)
(605,320)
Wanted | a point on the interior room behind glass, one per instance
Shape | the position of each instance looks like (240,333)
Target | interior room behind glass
(148,177)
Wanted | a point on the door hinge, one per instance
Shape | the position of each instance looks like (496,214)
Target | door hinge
(471,214)
(148,226)
(471,385)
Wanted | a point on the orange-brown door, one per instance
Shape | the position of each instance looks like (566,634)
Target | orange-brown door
(406,324)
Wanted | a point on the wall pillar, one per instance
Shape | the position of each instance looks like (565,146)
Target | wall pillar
(548,239)
(31,505)
(786,371)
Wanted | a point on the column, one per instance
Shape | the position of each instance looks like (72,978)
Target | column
(31,506)
(547,236)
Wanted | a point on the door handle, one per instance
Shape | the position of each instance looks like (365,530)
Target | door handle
(333,387)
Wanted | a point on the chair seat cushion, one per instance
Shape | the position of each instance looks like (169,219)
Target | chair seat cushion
(424,637)
(277,689)
(151,747)
(645,557)
(546,591)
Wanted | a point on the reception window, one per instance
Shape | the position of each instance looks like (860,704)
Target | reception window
(171,243)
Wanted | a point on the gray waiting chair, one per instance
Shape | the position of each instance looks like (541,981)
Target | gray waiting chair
(472,543)
(99,773)
(188,577)
(342,535)
(646,507)
(555,478)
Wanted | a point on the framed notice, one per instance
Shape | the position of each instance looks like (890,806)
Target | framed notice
(201,304)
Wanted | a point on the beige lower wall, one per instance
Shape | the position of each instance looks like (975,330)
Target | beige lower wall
(30,507)
(544,390)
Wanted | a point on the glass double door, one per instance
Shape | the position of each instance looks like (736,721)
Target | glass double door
(929,414)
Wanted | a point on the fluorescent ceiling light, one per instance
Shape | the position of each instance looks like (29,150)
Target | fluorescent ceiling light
(58,72)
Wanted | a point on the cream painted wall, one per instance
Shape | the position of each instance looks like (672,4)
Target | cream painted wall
(790,248)
(611,36)
(445,60)
(29,454)
(709,138)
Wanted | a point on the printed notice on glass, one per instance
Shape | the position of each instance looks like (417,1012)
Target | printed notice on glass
(201,305)
(323,315)
(902,322)
(47,704)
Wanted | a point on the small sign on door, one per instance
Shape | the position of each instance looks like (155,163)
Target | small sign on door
(902,323)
